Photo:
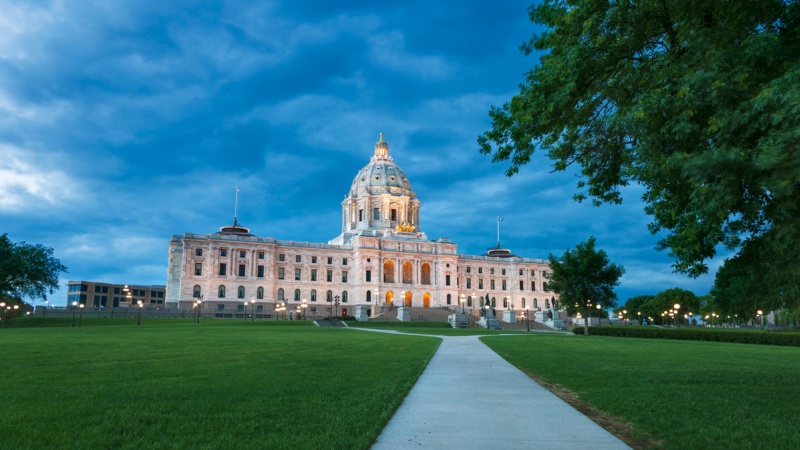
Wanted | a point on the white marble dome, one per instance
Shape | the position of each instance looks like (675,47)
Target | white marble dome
(381,175)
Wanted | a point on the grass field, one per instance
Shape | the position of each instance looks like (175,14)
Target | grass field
(220,384)
(676,394)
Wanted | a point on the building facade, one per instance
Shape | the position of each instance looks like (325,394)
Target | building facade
(93,294)
(381,258)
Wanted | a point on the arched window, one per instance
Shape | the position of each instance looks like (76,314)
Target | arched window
(523,303)
(369,296)
(280,294)
(241,292)
(313,295)
(221,293)
(555,303)
(344,296)
(505,303)
(547,303)
(329,296)
(297,295)
(196,291)
(388,272)
(494,303)
(448,299)
(260,293)
(535,303)
(426,275)
(482,299)
(469,301)
(407,273)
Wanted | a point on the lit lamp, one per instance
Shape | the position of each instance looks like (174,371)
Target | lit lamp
(253,317)
(196,307)
(244,315)
(760,319)
(462,300)
(599,318)
(74,307)
(677,307)
(138,313)
(304,305)
(625,314)
(80,316)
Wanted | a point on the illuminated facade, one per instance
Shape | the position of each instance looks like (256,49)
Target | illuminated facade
(380,258)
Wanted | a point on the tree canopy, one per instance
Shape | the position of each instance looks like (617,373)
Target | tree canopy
(698,102)
(27,270)
(584,278)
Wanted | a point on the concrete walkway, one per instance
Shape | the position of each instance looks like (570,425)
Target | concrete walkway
(468,397)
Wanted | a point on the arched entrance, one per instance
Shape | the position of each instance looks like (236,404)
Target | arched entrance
(426,300)
(408,299)
(390,298)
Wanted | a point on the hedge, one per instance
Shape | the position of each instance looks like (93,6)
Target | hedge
(696,334)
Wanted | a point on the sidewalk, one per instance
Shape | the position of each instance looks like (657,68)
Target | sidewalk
(468,397)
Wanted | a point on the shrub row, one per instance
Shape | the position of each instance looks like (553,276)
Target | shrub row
(697,334)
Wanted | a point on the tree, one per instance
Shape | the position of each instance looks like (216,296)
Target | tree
(27,270)
(635,305)
(698,102)
(583,278)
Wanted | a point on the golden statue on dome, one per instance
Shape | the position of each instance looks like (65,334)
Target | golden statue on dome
(405,227)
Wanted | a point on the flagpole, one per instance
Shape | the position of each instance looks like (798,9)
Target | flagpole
(236,207)
(498,232)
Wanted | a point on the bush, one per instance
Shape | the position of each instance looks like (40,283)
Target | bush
(697,334)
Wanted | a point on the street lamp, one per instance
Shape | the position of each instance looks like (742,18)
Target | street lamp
(625,314)
(244,314)
(527,314)
(253,317)
(760,319)
(677,307)
(74,306)
(196,307)
(461,300)
(304,305)
(139,313)
(335,305)
(599,316)
(80,315)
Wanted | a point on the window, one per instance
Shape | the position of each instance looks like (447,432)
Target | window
(344,261)
(533,285)
(521,272)
(535,303)
(241,270)
(280,294)
(447,282)
(297,258)
(480,283)
(480,269)
(220,306)
(344,276)
(491,271)
(360,215)
(223,268)
(394,214)
(376,214)
(281,273)
(196,291)
(544,287)
(448,299)
(242,254)
(116,290)
(369,296)
(297,273)
(330,260)
(504,285)
(407,273)
(469,301)
(198,269)
(281,257)
(240,307)
(313,260)
(505,303)
(521,285)
(297,295)
(240,292)
(260,255)
(469,283)
(503,271)
(313,295)
(523,303)
(260,293)
(368,276)
(329,276)
(223,252)
(388,272)
(344,297)
(329,296)
(221,292)
(313,274)
(469,269)
(425,275)
(491,284)
(198,252)
(260,271)
(494,304)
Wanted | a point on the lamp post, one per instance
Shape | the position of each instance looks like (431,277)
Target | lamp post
(2,314)
(760,319)
(335,304)
(253,316)
(304,305)
(462,300)
(196,307)
(80,315)
(402,298)
(527,313)
(74,306)
(244,313)
(44,311)
(677,307)
(139,313)
(625,315)
(599,318)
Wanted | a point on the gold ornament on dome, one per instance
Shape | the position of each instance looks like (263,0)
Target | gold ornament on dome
(404,227)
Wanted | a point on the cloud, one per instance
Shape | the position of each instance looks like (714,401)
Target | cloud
(28,187)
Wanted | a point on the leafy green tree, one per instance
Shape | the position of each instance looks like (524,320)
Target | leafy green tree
(635,305)
(666,300)
(27,270)
(698,102)
(584,278)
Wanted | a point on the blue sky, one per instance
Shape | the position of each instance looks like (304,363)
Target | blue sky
(123,123)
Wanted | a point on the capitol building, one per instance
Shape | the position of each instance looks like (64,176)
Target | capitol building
(381,258)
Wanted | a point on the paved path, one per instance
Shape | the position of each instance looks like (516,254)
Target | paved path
(468,397)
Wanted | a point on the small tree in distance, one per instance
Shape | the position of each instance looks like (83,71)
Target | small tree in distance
(27,270)
(583,278)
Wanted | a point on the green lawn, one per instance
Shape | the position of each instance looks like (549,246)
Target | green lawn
(220,384)
(683,394)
